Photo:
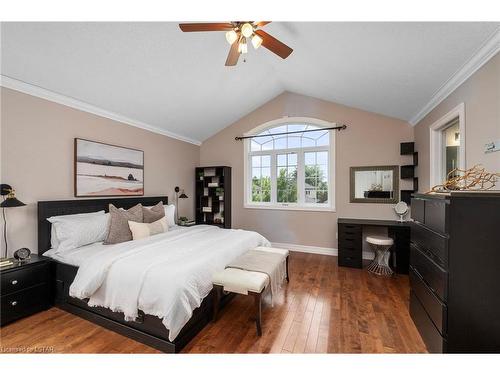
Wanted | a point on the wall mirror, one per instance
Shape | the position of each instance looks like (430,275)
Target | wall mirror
(377,184)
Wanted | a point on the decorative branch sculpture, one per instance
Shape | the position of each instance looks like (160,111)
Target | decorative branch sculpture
(472,179)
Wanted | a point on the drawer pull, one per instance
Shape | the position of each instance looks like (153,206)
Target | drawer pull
(13,282)
(13,303)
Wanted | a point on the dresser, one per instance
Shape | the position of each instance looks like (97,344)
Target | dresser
(455,271)
(25,289)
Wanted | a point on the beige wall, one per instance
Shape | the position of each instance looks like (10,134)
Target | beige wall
(370,139)
(37,157)
(481,96)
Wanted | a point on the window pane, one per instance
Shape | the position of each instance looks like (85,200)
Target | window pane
(280,143)
(293,141)
(286,178)
(308,142)
(255,146)
(322,158)
(266,160)
(323,140)
(255,173)
(268,145)
(310,158)
(266,172)
(316,177)
(255,161)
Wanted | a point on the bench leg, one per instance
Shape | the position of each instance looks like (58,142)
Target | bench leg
(258,311)
(217,296)
(287,273)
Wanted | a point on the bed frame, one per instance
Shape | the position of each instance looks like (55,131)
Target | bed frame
(147,329)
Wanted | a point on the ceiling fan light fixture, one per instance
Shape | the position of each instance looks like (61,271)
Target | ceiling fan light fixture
(247,30)
(231,36)
(256,41)
(242,47)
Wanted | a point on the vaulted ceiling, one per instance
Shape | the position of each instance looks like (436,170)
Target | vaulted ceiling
(154,74)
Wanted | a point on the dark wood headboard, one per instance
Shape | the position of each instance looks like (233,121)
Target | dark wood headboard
(47,209)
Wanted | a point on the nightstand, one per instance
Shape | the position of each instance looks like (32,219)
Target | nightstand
(25,288)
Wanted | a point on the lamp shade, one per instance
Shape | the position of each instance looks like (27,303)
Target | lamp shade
(12,202)
(183,195)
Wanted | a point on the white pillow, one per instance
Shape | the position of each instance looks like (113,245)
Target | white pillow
(79,231)
(143,230)
(54,240)
(169,213)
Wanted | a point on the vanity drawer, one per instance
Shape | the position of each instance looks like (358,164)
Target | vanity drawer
(24,303)
(349,228)
(350,261)
(432,339)
(432,274)
(24,278)
(435,244)
(433,306)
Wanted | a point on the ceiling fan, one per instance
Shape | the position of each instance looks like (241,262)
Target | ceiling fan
(237,35)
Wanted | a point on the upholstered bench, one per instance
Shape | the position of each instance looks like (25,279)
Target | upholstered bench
(245,282)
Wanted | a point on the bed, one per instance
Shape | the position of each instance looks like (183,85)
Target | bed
(163,282)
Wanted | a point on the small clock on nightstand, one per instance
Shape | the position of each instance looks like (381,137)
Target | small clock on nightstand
(25,288)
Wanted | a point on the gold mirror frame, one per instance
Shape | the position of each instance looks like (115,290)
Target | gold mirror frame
(395,184)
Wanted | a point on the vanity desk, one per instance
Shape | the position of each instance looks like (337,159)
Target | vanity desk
(350,242)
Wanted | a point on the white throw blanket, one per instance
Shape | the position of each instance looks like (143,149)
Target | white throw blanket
(166,275)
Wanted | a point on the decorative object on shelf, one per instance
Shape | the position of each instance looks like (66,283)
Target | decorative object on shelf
(472,179)
(105,170)
(177,197)
(9,202)
(401,209)
(408,171)
(22,255)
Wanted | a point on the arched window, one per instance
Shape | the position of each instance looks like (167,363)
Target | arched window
(290,171)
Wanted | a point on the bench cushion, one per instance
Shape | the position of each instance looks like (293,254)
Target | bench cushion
(240,281)
(276,250)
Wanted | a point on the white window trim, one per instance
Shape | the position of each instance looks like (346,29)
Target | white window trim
(436,142)
(290,206)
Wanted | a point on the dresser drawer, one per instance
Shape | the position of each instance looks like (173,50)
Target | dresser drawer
(418,210)
(434,244)
(432,305)
(433,275)
(24,278)
(435,215)
(432,339)
(23,303)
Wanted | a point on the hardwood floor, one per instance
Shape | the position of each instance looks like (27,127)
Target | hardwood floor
(324,309)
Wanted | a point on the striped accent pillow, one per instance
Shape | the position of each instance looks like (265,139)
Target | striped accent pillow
(143,230)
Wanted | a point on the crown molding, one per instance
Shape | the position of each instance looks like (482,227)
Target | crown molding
(487,50)
(40,92)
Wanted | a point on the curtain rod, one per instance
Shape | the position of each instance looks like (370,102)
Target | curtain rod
(339,128)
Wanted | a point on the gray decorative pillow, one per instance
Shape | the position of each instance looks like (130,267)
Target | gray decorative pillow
(152,214)
(119,231)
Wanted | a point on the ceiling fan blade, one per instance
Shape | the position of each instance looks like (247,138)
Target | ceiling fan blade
(261,23)
(274,45)
(234,55)
(190,27)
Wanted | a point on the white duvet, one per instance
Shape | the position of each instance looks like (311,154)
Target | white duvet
(166,275)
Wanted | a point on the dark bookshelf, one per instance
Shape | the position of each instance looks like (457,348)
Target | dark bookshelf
(213,196)
(408,171)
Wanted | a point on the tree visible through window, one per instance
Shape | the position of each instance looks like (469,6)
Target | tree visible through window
(290,169)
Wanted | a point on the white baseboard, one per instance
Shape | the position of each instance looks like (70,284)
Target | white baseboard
(315,249)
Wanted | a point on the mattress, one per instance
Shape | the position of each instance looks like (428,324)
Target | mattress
(76,257)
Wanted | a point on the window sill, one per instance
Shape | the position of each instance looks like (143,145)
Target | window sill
(288,208)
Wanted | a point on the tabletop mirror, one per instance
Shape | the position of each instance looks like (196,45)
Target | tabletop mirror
(377,184)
